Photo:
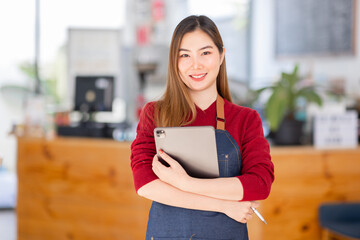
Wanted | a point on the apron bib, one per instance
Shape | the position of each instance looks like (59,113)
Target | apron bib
(173,223)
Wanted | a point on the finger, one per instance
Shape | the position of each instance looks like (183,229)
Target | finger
(155,162)
(159,168)
(247,204)
(156,165)
(155,171)
(166,157)
(255,204)
(154,168)
(160,165)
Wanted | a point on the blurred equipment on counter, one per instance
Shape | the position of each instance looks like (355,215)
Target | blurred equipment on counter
(93,95)
(144,71)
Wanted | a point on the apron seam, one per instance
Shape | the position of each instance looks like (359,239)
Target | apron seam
(236,148)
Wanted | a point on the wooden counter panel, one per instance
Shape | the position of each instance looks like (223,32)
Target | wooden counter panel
(78,211)
(83,189)
(77,189)
(75,230)
(94,192)
(304,179)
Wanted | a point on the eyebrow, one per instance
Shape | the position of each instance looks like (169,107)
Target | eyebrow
(186,50)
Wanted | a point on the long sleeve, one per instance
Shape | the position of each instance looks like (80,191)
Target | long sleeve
(244,124)
(257,173)
(143,148)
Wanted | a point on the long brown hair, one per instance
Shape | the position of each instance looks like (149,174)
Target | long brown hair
(176,108)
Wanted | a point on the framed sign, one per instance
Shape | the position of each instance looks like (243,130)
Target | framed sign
(336,130)
(320,27)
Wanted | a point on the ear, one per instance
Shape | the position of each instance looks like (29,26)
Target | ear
(222,56)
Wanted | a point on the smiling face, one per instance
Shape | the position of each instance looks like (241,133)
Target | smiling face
(199,62)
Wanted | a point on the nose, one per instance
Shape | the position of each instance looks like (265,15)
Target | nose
(197,63)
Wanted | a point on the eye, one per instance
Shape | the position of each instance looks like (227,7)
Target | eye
(184,55)
(206,53)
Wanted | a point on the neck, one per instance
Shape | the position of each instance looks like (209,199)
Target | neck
(203,99)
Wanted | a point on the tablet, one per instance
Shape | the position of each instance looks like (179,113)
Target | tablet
(193,147)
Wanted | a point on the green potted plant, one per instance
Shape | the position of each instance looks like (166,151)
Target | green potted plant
(282,106)
(19,93)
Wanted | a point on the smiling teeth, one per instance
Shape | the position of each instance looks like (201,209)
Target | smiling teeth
(200,76)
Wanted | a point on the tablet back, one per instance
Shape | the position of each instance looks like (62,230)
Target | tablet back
(193,147)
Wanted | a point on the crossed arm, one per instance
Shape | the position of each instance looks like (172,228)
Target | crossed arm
(221,188)
(176,188)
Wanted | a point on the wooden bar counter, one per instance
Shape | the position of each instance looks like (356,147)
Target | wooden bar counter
(74,188)
(304,179)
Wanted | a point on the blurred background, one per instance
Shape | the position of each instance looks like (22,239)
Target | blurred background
(74,71)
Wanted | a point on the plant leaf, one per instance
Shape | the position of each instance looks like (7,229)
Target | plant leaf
(290,79)
(258,92)
(28,69)
(275,109)
(17,88)
(310,95)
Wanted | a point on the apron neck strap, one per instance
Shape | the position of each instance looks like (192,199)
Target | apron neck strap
(220,115)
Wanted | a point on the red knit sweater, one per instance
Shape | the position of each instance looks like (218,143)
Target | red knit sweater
(243,124)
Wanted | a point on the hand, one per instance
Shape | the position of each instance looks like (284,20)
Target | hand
(174,175)
(239,211)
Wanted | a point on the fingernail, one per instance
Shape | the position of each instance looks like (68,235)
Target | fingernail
(161,151)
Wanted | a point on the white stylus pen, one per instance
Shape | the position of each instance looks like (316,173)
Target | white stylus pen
(258,214)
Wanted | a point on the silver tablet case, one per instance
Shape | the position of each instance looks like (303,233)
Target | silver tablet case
(193,147)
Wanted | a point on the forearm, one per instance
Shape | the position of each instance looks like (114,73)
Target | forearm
(162,192)
(175,175)
(220,188)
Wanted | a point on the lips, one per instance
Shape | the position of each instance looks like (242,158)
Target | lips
(198,77)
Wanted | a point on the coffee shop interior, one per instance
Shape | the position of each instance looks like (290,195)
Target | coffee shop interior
(74,76)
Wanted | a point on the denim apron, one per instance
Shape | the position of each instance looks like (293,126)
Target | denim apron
(173,223)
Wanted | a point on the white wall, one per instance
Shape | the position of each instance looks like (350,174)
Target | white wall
(17,46)
(267,68)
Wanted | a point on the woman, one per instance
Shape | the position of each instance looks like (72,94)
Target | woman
(197,94)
